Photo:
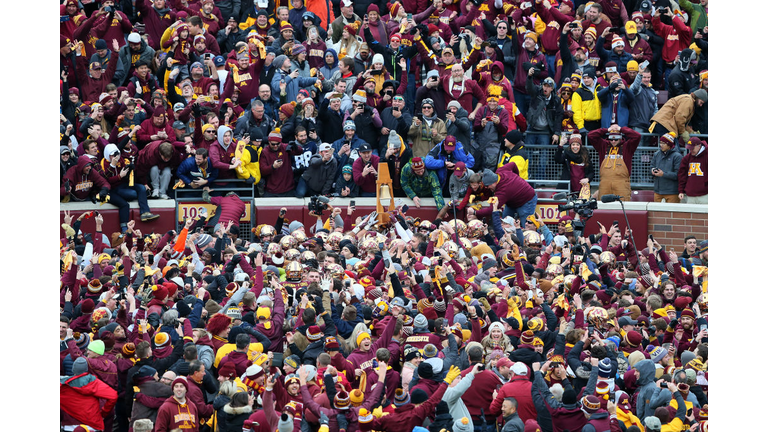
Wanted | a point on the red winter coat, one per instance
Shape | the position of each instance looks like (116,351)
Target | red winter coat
(80,399)
(676,37)
(519,387)
(480,393)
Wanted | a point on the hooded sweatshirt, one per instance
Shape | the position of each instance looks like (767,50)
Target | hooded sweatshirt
(81,184)
(646,384)
(222,154)
(329,71)
(694,173)
(175,415)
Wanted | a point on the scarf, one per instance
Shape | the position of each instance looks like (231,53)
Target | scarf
(628,418)
(161,12)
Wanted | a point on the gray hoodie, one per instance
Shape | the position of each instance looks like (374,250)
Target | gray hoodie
(220,135)
(646,384)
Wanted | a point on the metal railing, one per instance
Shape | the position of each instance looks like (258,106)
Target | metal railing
(640,178)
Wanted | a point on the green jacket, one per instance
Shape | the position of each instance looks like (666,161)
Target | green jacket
(697,13)
(425,186)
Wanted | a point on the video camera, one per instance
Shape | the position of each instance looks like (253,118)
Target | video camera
(583,207)
(318,204)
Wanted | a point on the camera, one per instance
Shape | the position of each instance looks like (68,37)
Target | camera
(477,3)
(573,25)
(663,385)
(317,204)
(614,85)
(465,37)
(109,9)
(663,10)
(291,146)
(584,208)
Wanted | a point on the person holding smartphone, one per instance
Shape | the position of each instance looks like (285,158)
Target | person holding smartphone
(275,166)
(665,164)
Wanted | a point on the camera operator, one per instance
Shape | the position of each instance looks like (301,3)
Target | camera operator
(615,146)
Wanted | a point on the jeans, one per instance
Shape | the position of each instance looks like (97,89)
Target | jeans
(137,192)
(523,211)
(487,428)
(302,189)
(410,93)
(551,65)
(522,100)
(123,209)
(539,157)
(160,180)
(367,194)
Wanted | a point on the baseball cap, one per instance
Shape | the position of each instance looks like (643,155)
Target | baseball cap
(178,106)
(460,169)
(509,220)
(549,81)
(178,125)
(519,368)
(450,142)
(630,27)
(219,61)
(325,147)
(626,321)
(365,147)
(350,125)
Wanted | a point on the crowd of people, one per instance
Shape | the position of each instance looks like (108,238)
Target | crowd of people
(383,322)
(302,100)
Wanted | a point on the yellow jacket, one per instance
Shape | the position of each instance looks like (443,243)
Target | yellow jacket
(519,157)
(249,166)
(586,105)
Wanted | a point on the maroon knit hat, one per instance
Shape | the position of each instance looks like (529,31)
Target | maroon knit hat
(87,306)
(227,369)
(633,338)
(314,333)
(527,337)
(689,313)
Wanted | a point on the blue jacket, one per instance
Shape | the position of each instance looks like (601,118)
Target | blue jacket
(344,159)
(292,86)
(606,102)
(436,159)
(189,171)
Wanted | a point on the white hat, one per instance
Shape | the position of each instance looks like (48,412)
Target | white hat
(378,58)
(134,38)
(325,147)
(519,368)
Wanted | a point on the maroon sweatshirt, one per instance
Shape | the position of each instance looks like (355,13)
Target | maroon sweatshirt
(149,156)
(367,183)
(91,87)
(81,184)
(144,135)
(511,190)
(155,22)
(278,180)
(693,175)
(231,208)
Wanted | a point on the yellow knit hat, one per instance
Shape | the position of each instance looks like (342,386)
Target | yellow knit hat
(263,312)
(361,337)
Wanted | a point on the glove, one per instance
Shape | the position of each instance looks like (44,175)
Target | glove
(250,180)
(453,372)
(324,418)
(484,301)
(673,324)
(67,187)
(685,136)
(237,258)
(103,193)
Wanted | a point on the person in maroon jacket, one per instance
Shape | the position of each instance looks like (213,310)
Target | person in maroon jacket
(245,77)
(528,54)
(365,170)
(692,178)
(110,26)
(157,17)
(155,128)
(178,412)
(510,189)
(275,166)
(480,393)
(222,153)
(239,357)
(615,147)
(230,207)
(142,82)
(93,84)
(157,160)
(195,394)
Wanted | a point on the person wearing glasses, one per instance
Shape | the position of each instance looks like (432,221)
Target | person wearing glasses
(427,130)
(615,147)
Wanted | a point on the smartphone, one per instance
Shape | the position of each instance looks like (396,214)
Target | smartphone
(352,203)
(279,160)
(616,223)
(405,208)
(644,64)
(590,330)
(409,16)
(481,367)
(650,236)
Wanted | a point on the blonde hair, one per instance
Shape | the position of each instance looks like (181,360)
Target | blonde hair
(350,344)
(228,388)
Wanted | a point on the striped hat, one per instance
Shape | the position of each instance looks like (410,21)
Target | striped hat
(590,404)
(129,350)
(161,339)
(402,398)
(657,353)
(94,286)
(356,397)
(364,416)
(535,324)
(527,338)
(314,334)
(275,136)
(602,390)
(341,400)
